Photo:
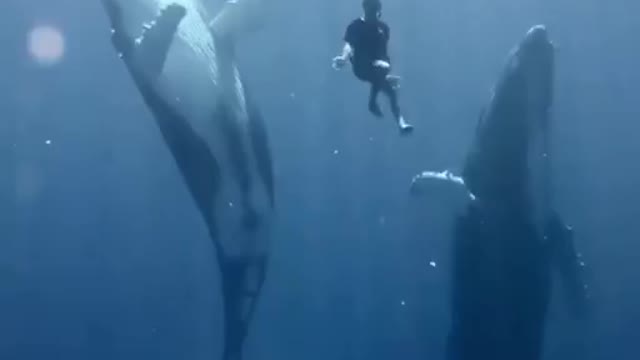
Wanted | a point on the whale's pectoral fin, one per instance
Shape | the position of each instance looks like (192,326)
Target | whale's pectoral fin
(153,46)
(565,258)
(445,190)
(122,42)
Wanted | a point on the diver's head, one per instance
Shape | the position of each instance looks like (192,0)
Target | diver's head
(372,9)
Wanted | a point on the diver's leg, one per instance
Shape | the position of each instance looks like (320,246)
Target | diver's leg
(393,99)
(388,84)
(391,93)
(367,73)
(374,108)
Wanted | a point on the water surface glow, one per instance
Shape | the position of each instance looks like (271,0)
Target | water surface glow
(46,45)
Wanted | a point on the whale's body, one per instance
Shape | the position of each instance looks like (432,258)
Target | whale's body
(508,163)
(199,79)
(184,67)
(507,240)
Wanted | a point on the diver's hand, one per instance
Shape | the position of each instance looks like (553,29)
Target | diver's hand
(339,62)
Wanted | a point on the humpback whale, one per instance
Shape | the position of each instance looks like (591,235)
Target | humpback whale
(182,62)
(507,239)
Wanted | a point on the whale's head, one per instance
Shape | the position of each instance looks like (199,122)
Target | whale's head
(534,61)
(524,90)
(512,130)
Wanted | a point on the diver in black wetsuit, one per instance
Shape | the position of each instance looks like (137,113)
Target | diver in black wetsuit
(366,46)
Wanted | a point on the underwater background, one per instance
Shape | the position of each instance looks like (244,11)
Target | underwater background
(103,254)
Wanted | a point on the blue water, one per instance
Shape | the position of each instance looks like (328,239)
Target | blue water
(104,256)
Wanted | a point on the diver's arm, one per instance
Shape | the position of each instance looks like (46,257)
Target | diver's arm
(340,61)
(347,51)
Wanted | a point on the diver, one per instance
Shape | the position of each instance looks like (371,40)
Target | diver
(366,41)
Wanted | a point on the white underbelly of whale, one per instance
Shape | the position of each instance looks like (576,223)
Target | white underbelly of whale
(196,80)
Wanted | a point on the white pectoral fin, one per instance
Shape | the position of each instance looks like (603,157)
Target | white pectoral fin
(157,37)
(236,17)
(443,188)
(122,42)
(431,178)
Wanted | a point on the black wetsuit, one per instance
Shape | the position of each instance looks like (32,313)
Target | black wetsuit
(369,40)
